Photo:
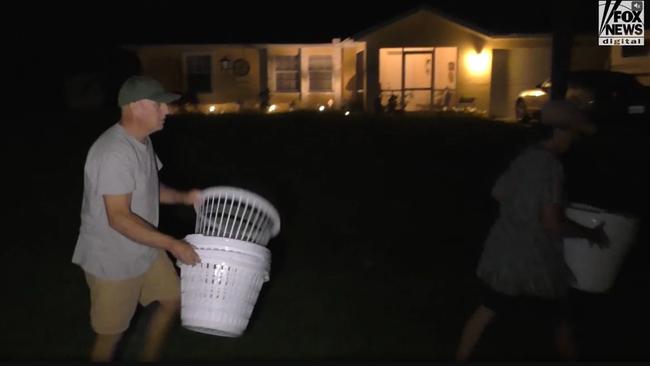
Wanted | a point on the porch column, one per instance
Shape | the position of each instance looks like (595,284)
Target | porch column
(304,74)
(337,75)
(264,70)
(372,76)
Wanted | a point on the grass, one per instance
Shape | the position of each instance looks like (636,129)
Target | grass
(383,219)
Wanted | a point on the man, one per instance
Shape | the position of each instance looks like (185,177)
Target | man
(119,248)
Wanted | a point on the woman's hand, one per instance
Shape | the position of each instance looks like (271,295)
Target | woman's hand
(599,237)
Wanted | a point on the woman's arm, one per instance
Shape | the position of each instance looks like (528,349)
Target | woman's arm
(555,222)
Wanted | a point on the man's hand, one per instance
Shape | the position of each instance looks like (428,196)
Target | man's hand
(172,196)
(192,197)
(184,252)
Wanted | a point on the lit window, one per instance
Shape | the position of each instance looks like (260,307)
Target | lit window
(320,73)
(287,73)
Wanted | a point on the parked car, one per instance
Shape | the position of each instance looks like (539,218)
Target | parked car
(603,95)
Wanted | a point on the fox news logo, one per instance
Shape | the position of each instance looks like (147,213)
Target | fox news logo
(620,23)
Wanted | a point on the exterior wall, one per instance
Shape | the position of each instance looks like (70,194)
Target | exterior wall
(167,64)
(523,69)
(638,65)
(587,55)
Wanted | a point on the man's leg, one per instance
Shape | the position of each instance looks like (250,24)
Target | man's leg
(161,322)
(161,284)
(104,347)
(112,305)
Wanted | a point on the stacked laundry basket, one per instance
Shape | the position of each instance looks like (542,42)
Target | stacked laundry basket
(596,269)
(233,227)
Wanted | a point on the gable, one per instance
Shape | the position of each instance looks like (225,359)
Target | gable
(422,27)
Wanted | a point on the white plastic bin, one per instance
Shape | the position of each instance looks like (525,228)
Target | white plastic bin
(235,213)
(219,294)
(595,269)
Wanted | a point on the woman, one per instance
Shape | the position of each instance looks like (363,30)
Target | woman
(522,263)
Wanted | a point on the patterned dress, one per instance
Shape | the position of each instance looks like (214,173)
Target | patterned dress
(519,256)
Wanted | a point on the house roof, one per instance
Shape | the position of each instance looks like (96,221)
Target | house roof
(415,10)
(492,19)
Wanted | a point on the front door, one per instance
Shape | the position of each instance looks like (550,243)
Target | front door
(417,80)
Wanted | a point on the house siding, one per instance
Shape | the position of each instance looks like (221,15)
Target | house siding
(166,63)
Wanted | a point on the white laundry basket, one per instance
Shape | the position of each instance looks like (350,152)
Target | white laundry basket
(235,213)
(218,295)
(595,269)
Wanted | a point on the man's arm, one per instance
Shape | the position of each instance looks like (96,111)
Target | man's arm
(123,220)
(171,196)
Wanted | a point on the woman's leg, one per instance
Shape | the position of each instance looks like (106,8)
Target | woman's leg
(473,330)
(565,343)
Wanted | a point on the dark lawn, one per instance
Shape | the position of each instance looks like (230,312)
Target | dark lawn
(383,222)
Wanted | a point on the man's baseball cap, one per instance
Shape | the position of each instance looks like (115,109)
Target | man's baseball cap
(140,87)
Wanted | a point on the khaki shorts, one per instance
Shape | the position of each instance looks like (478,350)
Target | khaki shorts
(113,303)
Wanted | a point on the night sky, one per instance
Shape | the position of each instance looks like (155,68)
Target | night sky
(193,21)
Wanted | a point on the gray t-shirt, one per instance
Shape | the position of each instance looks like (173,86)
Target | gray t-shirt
(117,163)
(519,256)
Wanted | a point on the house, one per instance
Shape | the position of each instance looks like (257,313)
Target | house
(429,59)
(228,77)
(421,60)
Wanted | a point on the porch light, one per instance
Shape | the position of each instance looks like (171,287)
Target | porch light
(347,113)
(225,63)
(212,108)
(477,62)
(272,108)
(321,108)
